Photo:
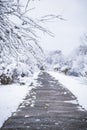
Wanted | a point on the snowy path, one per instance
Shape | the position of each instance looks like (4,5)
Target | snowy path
(12,95)
(48,106)
(77,85)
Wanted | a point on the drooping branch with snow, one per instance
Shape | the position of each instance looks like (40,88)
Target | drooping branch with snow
(19,42)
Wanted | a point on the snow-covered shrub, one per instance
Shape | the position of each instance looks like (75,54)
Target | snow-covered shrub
(84,72)
(13,72)
(73,72)
(18,69)
(56,67)
(4,79)
(42,68)
(65,69)
(79,61)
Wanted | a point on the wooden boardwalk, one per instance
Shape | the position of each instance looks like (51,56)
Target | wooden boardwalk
(49,106)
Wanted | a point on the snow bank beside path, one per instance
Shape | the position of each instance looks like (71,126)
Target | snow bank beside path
(78,86)
(11,96)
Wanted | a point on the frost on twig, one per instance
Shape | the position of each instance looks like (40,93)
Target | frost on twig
(50,17)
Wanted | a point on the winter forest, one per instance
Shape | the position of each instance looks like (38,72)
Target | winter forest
(27,57)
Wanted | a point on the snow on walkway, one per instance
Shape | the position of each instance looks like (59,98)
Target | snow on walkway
(11,96)
(78,86)
(48,107)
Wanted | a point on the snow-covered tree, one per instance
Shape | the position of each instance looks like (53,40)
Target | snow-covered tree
(55,59)
(78,60)
(20,53)
(19,42)
(13,39)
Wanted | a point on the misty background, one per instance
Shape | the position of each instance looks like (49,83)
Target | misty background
(69,32)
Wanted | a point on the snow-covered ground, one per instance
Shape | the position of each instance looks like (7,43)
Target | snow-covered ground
(12,95)
(78,86)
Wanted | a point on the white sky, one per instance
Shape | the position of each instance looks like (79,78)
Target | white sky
(67,33)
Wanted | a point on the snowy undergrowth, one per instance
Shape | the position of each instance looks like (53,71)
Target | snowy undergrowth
(12,95)
(78,86)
